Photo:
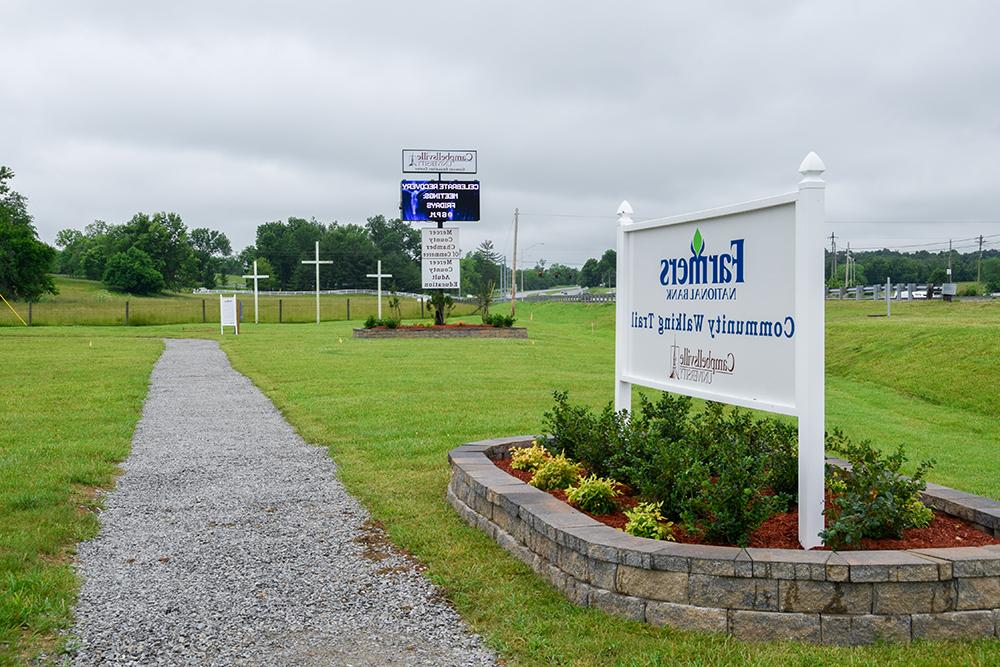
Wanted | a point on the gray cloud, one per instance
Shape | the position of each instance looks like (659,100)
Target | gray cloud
(234,113)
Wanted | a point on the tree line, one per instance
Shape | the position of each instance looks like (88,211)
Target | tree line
(917,267)
(156,251)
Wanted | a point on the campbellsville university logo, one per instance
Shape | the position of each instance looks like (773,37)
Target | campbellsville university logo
(699,366)
(438,160)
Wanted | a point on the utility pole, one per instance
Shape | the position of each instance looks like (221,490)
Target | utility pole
(513,270)
(833,260)
(949,261)
(503,274)
(979,266)
(848,267)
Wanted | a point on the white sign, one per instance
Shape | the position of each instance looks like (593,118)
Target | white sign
(727,305)
(440,259)
(712,306)
(439,162)
(228,316)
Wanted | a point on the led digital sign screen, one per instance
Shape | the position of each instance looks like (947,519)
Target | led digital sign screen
(439,201)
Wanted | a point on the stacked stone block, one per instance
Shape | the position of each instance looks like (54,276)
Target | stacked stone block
(847,597)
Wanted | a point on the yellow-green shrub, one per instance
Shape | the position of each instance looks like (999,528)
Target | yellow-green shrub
(594,494)
(556,473)
(529,458)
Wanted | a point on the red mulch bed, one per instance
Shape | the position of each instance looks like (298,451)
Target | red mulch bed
(422,327)
(781,531)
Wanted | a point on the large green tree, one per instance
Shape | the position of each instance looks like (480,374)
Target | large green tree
(24,260)
(133,271)
(210,247)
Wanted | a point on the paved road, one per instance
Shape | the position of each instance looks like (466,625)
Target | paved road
(228,540)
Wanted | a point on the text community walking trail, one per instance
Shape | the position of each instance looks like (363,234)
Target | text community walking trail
(228,540)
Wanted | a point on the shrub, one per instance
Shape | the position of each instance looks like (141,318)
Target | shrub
(387,322)
(872,499)
(594,494)
(721,471)
(646,520)
(499,320)
(556,473)
(572,426)
(529,458)
(973,289)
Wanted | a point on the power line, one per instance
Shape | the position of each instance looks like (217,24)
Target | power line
(568,215)
(915,222)
(926,245)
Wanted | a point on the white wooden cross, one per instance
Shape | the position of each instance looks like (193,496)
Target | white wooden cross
(255,276)
(380,276)
(317,262)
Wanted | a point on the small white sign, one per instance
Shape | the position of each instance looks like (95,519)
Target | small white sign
(228,315)
(418,161)
(440,259)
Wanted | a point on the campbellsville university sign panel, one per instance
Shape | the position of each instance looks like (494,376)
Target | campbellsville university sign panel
(439,162)
(727,305)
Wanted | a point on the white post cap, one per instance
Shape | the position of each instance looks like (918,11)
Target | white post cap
(811,168)
(625,211)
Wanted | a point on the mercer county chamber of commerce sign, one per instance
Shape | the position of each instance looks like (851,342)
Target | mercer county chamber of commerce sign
(727,305)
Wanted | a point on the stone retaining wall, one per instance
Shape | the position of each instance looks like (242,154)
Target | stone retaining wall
(847,597)
(449,332)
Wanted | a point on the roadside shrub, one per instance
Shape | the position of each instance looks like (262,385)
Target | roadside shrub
(556,473)
(646,520)
(974,289)
(499,320)
(387,322)
(594,494)
(872,499)
(529,458)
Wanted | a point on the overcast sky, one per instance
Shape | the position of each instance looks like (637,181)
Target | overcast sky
(235,113)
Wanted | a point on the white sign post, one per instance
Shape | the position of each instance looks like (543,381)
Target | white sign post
(228,315)
(440,259)
(317,262)
(727,305)
(378,274)
(255,276)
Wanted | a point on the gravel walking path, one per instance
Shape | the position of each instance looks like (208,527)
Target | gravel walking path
(229,540)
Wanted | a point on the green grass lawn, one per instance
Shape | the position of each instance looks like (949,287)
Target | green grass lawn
(86,302)
(67,410)
(390,410)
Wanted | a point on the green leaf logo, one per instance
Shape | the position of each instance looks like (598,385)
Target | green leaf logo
(697,243)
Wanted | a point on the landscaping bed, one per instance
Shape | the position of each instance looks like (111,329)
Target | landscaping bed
(442,331)
(847,597)
(781,530)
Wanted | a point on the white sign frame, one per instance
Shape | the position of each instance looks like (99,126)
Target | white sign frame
(808,393)
(422,161)
(229,314)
